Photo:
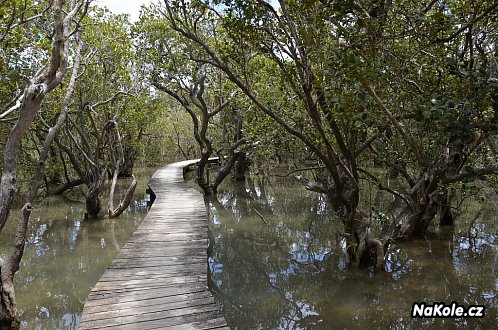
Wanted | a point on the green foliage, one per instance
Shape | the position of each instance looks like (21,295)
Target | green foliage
(432,66)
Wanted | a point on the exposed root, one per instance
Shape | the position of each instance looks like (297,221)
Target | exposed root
(374,242)
(367,248)
(360,251)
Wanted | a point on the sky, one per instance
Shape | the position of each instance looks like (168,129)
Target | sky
(133,7)
(124,6)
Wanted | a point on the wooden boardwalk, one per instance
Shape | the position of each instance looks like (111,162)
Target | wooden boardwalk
(159,278)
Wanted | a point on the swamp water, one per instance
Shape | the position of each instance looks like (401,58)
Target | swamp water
(276,262)
(65,255)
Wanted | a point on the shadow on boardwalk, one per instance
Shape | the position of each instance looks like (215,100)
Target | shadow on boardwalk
(159,278)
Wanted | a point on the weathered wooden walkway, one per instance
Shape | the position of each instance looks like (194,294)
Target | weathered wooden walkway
(159,278)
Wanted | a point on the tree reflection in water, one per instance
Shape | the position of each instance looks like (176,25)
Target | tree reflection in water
(65,255)
(276,262)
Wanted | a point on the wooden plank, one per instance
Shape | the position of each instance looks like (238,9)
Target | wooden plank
(165,264)
(158,308)
(164,317)
(159,277)
(147,283)
(120,296)
(218,323)
(195,320)
(158,301)
(124,273)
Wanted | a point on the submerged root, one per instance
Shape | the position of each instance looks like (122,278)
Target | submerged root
(370,252)
(360,251)
(379,251)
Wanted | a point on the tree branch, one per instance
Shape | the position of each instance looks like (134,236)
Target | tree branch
(468,24)
(310,186)
(406,135)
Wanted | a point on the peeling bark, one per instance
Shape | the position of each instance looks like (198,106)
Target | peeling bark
(48,78)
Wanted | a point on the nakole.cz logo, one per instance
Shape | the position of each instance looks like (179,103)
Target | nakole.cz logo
(441,310)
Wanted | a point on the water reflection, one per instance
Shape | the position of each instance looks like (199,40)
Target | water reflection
(65,255)
(276,262)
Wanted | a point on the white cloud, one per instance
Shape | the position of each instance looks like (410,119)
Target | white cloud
(124,7)
(133,7)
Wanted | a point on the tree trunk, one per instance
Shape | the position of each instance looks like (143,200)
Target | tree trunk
(33,95)
(60,189)
(47,78)
(419,221)
(128,164)
(201,175)
(8,317)
(362,249)
(240,168)
(123,204)
(241,162)
(224,172)
(429,196)
(92,201)
(446,216)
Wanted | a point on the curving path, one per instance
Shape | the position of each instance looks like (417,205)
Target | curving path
(159,278)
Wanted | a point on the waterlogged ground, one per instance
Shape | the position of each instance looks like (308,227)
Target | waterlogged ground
(276,262)
(65,255)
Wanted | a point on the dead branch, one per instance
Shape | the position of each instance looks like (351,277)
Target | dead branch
(123,204)
(260,215)
(310,186)
(300,170)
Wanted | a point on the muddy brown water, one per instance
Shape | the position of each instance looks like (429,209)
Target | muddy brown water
(65,255)
(277,262)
